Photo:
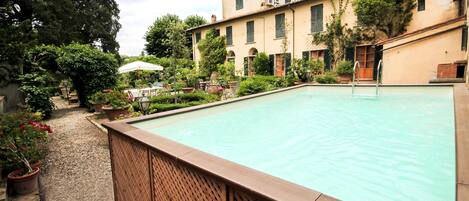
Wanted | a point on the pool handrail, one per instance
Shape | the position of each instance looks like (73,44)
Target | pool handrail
(355,76)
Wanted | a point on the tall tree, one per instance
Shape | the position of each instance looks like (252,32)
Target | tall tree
(394,22)
(158,35)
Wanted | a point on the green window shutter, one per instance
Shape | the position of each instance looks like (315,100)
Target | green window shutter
(464,39)
(272,63)
(305,55)
(420,5)
(280,25)
(250,31)
(246,66)
(239,4)
(198,36)
(229,35)
(350,54)
(317,18)
(287,62)
(327,60)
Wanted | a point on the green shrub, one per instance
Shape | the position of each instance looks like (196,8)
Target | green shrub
(38,92)
(98,98)
(251,86)
(328,78)
(212,52)
(261,64)
(90,69)
(273,81)
(304,70)
(117,99)
(171,102)
(345,68)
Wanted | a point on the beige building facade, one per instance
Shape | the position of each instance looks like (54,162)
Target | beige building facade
(433,49)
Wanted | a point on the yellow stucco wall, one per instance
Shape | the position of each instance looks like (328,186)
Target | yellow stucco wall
(417,62)
(436,11)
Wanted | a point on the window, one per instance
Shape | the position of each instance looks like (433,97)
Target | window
(217,32)
(250,31)
(198,36)
(316,18)
(287,1)
(229,35)
(464,39)
(421,5)
(280,25)
(239,4)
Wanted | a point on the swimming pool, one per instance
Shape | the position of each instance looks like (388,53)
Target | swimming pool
(399,146)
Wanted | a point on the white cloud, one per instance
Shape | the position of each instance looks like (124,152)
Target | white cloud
(137,15)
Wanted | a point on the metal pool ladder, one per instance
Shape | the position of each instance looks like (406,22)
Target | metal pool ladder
(356,77)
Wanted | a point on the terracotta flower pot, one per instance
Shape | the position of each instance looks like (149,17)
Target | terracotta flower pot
(23,184)
(114,113)
(98,107)
(187,90)
(345,79)
(213,89)
(36,164)
(233,84)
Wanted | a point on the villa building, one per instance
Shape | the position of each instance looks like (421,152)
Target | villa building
(434,48)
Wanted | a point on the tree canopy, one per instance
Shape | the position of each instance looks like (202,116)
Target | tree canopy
(159,35)
(388,17)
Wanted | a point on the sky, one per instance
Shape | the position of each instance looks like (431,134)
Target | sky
(137,15)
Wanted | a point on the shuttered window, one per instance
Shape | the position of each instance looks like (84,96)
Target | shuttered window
(250,31)
(239,4)
(280,25)
(305,55)
(464,39)
(317,18)
(217,32)
(198,36)
(421,5)
(229,35)
(272,64)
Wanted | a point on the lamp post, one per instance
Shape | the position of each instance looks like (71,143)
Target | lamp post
(144,104)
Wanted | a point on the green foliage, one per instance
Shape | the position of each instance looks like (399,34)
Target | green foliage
(227,71)
(117,99)
(344,68)
(168,64)
(36,87)
(194,21)
(338,36)
(98,98)
(327,78)
(304,70)
(158,36)
(8,74)
(397,17)
(189,76)
(261,64)
(212,51)
(22,140)
(177,101)
(90,69)
(258,84)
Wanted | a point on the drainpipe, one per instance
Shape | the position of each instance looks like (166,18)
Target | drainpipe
(293,31)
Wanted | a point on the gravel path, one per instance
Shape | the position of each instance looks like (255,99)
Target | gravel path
(78,165)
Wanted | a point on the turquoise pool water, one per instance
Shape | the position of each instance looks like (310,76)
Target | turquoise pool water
(399,146)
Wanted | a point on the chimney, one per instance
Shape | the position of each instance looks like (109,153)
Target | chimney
(214,18)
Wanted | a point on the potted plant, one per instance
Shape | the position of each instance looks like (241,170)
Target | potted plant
(117,105)
(98,100)
(345,71)
(22,140)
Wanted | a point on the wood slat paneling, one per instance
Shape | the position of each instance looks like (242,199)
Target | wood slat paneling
(130,169)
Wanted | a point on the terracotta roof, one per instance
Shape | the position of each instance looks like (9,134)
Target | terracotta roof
(266,10)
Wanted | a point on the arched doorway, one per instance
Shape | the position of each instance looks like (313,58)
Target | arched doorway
(248,61)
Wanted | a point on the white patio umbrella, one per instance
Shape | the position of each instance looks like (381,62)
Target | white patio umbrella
(139,65)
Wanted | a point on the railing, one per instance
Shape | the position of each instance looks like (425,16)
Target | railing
(355,76)
(378,80)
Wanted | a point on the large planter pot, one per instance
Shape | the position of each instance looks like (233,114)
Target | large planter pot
(213,89)
(114,113)
(345,79)
(187,90)
(98,107)
(24,184)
